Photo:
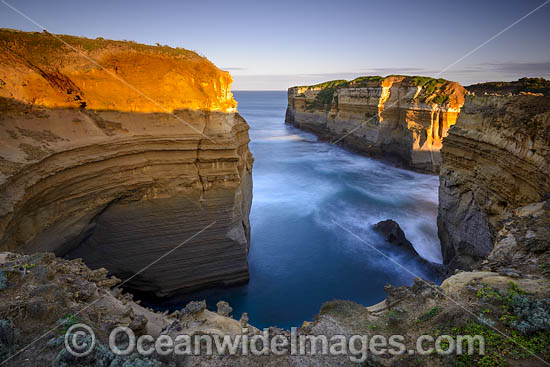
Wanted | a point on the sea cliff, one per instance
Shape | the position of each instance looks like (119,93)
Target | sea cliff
(117,153)
(494,160)
(400,118)
(494,222)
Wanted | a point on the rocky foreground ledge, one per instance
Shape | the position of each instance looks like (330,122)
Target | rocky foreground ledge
(506,300)
(120,163)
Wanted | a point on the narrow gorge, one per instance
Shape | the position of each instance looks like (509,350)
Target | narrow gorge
(128,165)
(488,141)
(493,220)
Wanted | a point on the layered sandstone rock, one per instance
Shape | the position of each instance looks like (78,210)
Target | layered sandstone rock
(118,153)
(494,160)
(56,293)
(398,117)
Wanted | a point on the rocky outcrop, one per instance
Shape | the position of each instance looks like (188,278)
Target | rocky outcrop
(394,235)
(522,243)
(493,219)
(44,296)
(495,159)
(396,117)
(118,153)
(37,308)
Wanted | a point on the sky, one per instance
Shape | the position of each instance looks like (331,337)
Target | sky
(272,45)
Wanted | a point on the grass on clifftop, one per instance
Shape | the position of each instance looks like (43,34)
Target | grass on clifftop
(513,323)
(523,323)
(323,100)
(432,89)
(527,85)
(329,84)
(40,47)
(365,81)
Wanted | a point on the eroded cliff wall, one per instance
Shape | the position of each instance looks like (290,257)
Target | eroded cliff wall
(398,117)
(495,159)
(120,163)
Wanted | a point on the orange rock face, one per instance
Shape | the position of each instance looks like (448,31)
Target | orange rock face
(40,69)
(120,165)
(397,116)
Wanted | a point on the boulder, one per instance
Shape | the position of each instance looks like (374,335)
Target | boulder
(392,232)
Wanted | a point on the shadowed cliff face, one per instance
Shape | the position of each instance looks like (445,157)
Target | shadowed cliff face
(91,168)
(398,117)
(495,159)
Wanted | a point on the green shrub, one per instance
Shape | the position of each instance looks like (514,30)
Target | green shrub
(323,100)
(432,312)
(441,99)
(430,87)
(532,314)
(66,322)
(364,81)
(524,327)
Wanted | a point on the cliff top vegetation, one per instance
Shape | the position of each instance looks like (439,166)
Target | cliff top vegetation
(434,91)
(525,85)
(42,47)
(40,68)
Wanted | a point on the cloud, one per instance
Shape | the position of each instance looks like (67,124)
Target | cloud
(468,74)
(342,75)
(388,71)
(511,67)
(234,69)
(370,71)
(520,67)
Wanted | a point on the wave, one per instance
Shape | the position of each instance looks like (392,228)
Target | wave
(285,138)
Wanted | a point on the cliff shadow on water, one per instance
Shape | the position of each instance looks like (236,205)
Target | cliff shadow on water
(305,191)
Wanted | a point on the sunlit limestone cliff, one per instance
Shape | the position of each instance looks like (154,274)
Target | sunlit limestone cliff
(118,152)
(494,220)
(397,117)
(494,160)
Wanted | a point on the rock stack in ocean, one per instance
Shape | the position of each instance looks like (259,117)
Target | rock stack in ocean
(494,160)
(396,117)
(123,162)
